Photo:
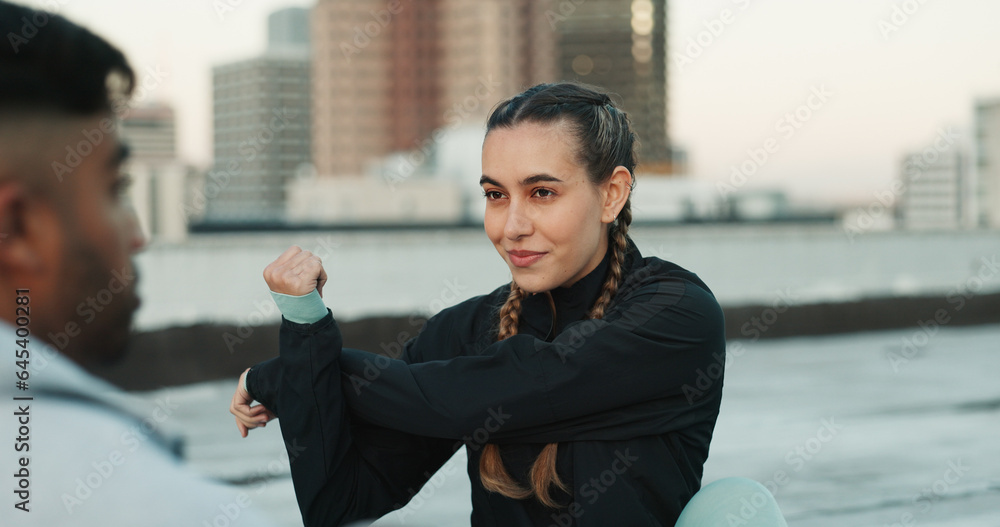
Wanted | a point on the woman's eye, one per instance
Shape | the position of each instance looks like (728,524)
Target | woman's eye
(544,193)
(492,195)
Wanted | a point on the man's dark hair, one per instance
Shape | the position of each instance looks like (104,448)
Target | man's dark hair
(49,64)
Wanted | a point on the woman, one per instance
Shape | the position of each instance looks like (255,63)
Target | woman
(575,388)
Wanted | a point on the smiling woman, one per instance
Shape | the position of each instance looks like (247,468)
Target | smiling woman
(544,215)
(570,387)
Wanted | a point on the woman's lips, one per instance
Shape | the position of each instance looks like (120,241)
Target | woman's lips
(524,258)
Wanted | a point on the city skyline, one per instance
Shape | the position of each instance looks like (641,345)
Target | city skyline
(894,72)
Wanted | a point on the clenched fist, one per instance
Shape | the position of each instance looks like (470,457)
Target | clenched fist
(295,272)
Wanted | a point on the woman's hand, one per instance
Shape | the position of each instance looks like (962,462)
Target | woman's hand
(296,273)
(248,417)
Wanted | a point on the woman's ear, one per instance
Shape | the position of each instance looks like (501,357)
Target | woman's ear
(617,190)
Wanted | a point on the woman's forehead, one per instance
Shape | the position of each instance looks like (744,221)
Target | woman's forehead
(529,149)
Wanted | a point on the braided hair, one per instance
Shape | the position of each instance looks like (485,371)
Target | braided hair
(604,142)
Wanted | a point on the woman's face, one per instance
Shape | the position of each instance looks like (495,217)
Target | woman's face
(543,215)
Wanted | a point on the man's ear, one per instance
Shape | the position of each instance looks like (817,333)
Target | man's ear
(17,254)
(616,192)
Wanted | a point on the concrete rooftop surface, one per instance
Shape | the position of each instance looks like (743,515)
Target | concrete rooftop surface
(894,428)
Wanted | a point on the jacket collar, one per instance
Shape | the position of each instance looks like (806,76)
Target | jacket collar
(571,303)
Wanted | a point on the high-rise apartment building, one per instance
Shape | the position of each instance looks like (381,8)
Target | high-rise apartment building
(159,178)
(621,46)
(353,79)
(262,125)
(151,133)
(389,73)
(288,28)
(937,191)
(987,147)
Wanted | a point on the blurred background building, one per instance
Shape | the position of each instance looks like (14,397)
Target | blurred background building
(262,125)
(987,140)
(938,191)
(621,46)
(400,92)
(159,179)
(388,74)
(363,97)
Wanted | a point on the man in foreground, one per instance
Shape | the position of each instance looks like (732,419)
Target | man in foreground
(74,451)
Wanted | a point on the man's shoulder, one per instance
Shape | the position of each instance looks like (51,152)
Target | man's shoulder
(89,462)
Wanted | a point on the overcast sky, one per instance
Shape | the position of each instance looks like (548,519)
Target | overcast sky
(889,84)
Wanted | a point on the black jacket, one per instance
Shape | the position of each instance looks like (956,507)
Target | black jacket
(632,400)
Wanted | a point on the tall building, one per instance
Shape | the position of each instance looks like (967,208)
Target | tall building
(492,50)
(151,133)
(387,74)
(288,28)
(159,178)
(937,190)
(621,46)
(353,79)
(988,162)
(262,126)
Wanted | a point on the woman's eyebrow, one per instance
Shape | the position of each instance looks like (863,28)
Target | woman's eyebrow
(530,180)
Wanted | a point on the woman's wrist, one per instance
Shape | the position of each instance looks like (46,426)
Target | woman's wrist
(304,309)
(243,379)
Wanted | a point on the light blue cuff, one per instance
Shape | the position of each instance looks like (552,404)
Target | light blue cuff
(304,309)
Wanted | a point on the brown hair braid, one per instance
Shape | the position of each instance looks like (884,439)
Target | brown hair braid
(605,142)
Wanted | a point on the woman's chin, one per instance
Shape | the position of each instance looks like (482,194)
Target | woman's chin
(530,282)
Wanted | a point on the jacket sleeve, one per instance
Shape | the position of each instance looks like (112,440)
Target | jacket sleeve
(341,470)
(262,383)
(649,350)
